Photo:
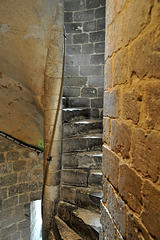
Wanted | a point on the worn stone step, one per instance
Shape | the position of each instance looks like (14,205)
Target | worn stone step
(82,127)
(95,179)
(83,197)
(83,221)
(70,114)
(64,102)
(65,231)
(86,143)
(86,160)
(96,197)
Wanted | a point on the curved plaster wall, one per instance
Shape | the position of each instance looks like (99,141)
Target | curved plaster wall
(25,32)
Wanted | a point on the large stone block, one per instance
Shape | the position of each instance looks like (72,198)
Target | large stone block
(87,48)
(108,74)
(71,91)
(89,92)
(100,12)
(84,16)
(72,49)
(99,47)
(97,59)
(78,102)
(12,156)
(111,103)
(81,60)
(110,12)
(10,202)
(131,103)
(152,105)
(5,168)
(95,3)
(8,180)
(7,231)
(96,81)
(117,210)
(68,17)
(71,71)
(101,24)
(145,153)
(107,224)
(2,158)
(135,229)
(106,130)
(98,36)
(90,70)
(151,213)
(130,185)
(120,5)
(19,166)
(80,38)
(89,26)
(148,61)
(75,81)
(137,17)
(114,36)
(120,138)
(73,27)
(120,68)
(110,166)
(74,5)
(22,188)
(97,103)
(95,179)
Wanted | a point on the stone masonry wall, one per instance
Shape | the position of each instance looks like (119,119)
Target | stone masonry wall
(131,151)
(83,82)
(21,176)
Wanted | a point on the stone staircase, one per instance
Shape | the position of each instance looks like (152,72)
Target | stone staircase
(81,178)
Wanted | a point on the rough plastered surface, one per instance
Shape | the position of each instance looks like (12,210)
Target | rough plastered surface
(131,149)
(25,31)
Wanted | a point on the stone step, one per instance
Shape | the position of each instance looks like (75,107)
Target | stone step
(83,221)
(65,231)
(96,197)
(88,198)
(86,160)
(64,102)
(95,179)
(70,114)
(86,143)
(82,127)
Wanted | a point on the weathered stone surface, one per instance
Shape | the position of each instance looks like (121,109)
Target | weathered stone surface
(120,138)
(120,68)
(101,24)
(137,17)
(23,198)
(2,158)
(107,224)
(95,81)
(99,47)
(136,230)
(111,103)
(7,231)
(131,105)
(108,74)
(90,70)
(106,130)
(71,91)
(80,38)
(145,153)
(95,3)
(87,48)
(110,166)
(19,166)
(120,5)
(84,16)
(151,198)
(74,177)
(97,59)
(95,179)
(97,103)
(22,188)
(35,196)
(78,102)
(89,92)
(148,61)
(117,210)
(10,202)
(110,12)
(130,186)
(73,49)
(73,27)
(114,36)
(97,36)
(74,5)
(152,105)
(8,180)
(75,81)
(5,168)
(89,26)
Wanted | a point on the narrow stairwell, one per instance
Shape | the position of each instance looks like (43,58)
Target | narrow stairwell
(81,179)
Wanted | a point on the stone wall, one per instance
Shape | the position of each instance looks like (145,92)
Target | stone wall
(131,150)
(21,176)
(83,83)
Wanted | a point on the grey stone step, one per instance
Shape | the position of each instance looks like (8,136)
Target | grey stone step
(70,114)
(64,102)
(96,197)
(88,198)
(86,143)
(86,160)
(83,221)
(95,179)
(82,127)
(65,231)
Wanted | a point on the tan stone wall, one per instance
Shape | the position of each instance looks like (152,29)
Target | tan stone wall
(131,150)
(21,178)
